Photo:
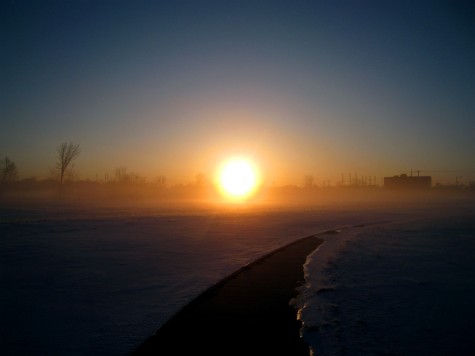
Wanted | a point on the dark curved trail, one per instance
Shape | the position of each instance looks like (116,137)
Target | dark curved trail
(248,313)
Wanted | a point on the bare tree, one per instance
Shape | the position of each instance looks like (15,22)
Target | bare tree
(160,181)
(8,170)
(200,180)
(67,153)
(308,181)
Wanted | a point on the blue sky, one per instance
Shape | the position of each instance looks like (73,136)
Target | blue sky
(304,87)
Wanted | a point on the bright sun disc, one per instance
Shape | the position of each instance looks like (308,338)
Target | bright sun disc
(238,178)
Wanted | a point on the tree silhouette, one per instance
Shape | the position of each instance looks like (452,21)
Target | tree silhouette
(8,170)
(308,181)
(67,152)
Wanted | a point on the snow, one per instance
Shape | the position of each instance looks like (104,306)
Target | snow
(82,280)
(401,288)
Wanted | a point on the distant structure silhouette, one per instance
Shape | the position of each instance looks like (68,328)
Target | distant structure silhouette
(404,181)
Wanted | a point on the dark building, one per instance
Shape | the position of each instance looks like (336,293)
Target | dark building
(404,181)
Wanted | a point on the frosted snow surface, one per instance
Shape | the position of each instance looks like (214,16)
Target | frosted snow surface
(99,282)
(400,288)
(87,281)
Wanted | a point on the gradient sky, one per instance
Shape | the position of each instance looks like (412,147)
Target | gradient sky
(171,88)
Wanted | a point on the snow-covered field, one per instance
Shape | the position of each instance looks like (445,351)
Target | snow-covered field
(400,288)
(98,281)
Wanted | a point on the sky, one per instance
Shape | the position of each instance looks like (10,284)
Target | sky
(173,88)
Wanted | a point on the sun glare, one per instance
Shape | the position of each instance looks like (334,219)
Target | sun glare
(238,178)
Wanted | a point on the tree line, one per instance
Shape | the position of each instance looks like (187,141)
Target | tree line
(66,153)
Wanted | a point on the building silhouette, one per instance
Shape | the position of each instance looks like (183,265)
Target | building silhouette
(404,181)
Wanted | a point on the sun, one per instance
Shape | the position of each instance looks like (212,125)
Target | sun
(238,178)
